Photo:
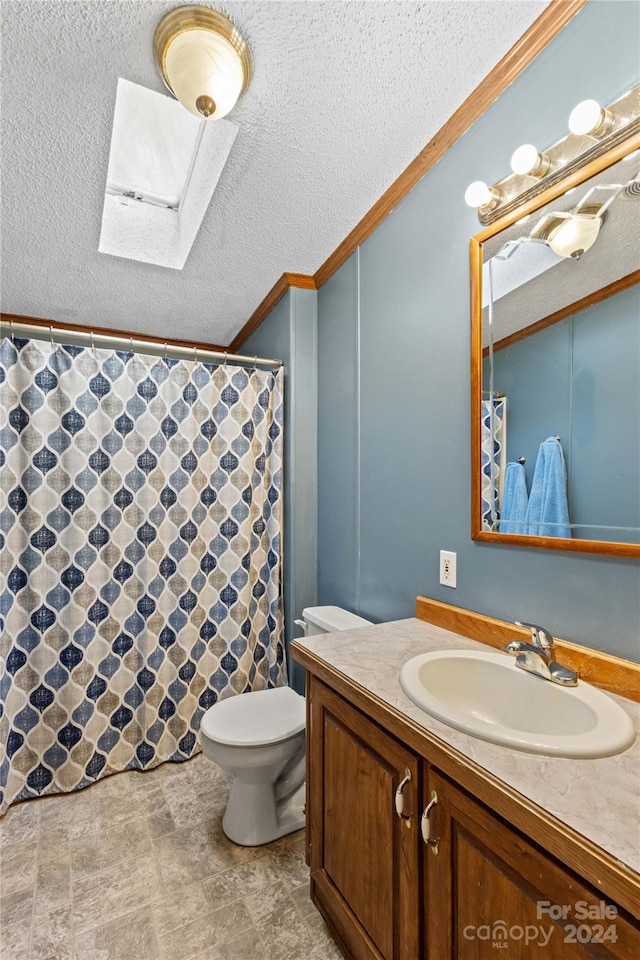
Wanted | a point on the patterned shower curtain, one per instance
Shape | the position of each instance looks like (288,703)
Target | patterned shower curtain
(140,556)
(494,449)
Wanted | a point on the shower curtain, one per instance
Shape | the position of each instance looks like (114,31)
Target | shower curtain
(494,448)
(140,556)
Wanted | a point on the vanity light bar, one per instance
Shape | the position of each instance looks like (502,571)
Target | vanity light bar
(593,131)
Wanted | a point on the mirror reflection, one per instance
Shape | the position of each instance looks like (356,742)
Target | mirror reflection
(560,369)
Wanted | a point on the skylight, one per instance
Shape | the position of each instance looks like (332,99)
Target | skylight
(153,144)
(164,165)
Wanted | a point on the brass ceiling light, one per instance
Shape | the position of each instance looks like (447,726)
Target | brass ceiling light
(203,59)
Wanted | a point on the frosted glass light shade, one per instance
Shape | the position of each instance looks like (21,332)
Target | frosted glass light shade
(203,60)
(576,235)
(205,73)
(478,194)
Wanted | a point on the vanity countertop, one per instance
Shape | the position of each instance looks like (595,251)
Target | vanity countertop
(597,798)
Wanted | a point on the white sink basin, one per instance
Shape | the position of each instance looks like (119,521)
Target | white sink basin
(488,696)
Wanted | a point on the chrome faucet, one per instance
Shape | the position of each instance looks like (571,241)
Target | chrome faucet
(537,657)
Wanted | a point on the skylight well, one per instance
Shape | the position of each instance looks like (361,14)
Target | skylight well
(164,166)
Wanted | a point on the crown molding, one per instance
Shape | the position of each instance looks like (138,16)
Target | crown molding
(532,42)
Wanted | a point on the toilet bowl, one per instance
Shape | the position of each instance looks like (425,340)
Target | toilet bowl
(258,740)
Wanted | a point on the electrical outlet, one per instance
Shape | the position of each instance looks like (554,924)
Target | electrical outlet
(448,568)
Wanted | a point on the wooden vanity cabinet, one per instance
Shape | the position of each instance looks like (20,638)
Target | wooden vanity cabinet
(458,885)
(364,857)
(484,882)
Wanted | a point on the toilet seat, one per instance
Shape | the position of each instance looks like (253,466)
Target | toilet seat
(255,719)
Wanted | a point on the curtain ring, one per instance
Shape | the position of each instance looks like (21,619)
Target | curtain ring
(195,354)
(130,344)
(93,346)
(53,346)
(165,351)
(225,358)
(255,364)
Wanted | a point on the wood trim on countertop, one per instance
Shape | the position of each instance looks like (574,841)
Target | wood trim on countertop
(602,870)
(277,292)
(589,301)
(532,42)
(601,669)
(108,332)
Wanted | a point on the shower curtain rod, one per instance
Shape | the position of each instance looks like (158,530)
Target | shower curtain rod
(60,334)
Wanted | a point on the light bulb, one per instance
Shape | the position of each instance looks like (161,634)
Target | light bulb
(574,236)
(478,195)
(590,119)
(528,161)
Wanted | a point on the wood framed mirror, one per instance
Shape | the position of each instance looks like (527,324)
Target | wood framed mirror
(555,365)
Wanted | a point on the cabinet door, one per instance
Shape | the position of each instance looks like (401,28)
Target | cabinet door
(364,856)
(491,892)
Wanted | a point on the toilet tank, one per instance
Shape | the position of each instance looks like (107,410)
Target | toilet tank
(329,619)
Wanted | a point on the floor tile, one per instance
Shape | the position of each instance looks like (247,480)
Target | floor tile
(207,932)
(114,892)
(55,843)
(19,824)
(194,853)
(183,802)
(19,867)
(239,882)
(17,907)
(285,934)
(137,867)
(132,937)
(69,816)
(184,905)
(160,823)
(51,937)
(248,946)
(108,847)
(301,896)
(325,943)
(290,864)
(53,885)
(15,941)
(112,810)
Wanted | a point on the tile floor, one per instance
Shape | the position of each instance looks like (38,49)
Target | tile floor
(136,867)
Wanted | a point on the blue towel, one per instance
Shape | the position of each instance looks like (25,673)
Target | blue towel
(548,511)
(515,500)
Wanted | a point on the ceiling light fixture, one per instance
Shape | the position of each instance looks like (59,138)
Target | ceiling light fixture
(589,119)
(575,235)
(527,161)
(203,59)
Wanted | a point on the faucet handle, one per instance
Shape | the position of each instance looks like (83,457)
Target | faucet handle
(540,637)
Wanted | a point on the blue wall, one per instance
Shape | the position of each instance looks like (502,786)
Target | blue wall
(393,350)
(393,382)
(289,334)
(579,379)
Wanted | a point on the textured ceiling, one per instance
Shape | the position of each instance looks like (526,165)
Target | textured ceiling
(344,95)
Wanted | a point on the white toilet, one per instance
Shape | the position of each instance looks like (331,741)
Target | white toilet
(258,740)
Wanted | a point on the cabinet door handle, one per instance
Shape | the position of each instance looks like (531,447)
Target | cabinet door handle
(400,797)
(425,823)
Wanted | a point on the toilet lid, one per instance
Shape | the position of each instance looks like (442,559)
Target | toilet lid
(253,719)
